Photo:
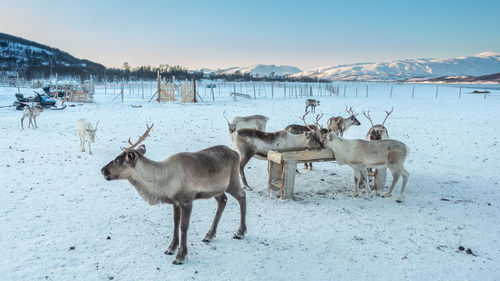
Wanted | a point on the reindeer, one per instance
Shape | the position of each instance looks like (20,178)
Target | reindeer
(312,103)
(32,113)
(179,180)
(339,124)
(377,132)
(361,154)
(257,122)
(251,142)
(309,131)
(85,131)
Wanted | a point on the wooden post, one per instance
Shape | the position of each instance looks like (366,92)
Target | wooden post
(253,84)
(366,90)
(142,86)
(158,98)
(344,89)
(289,169)
(311,90)
(17,82)
(413,92)
(123,87)
(437,91)
(272,90)
(212,92)
(356,91)
(460,92)
(173,89)
(390,95)
(194,91)
(284,89)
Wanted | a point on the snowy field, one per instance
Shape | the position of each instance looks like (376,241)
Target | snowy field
(60,220)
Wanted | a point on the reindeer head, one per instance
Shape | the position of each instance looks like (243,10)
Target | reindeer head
(314,136)
(232,127)
(352,118)
(377,132)
(123,165)
(91,133)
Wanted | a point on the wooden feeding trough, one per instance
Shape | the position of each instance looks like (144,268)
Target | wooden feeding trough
(282,167)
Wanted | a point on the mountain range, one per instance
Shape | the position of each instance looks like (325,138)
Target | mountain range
(477,65)
(18,54)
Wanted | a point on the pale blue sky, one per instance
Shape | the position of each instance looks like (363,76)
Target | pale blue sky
(306,34)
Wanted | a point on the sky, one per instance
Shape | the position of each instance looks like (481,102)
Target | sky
(219,34)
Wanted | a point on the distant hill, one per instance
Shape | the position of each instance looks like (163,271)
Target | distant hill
(268,70)
(491,78)
(32,59)
(481,64)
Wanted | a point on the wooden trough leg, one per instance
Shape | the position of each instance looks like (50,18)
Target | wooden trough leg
(275,171)
(289,168)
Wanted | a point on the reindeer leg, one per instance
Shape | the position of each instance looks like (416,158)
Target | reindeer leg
(221,204)
(240,195)
(22,120)
(364,175)
(243,162)
(175,240)
(395,178)
(357,179)
(34,119)
(405,175)
(185,215)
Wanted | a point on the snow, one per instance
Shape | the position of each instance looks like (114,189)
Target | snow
(480,64)
(54,197)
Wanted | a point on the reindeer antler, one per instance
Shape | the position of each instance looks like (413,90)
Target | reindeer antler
(350,111)
(305,123)
(224,114)
(143,137)
(388,113)
(367,115)
(95,128)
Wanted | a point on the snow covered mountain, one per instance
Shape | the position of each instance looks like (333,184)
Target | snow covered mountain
(18,54)
(477,65)
(258,69)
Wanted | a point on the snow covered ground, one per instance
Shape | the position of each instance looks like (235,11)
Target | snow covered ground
(60,220)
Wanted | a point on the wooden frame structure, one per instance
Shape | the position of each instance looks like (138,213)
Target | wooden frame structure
(282,167)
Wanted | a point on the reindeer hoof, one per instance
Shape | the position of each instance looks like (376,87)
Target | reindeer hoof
(354,194)
(400,199)
(178,261)
(246,187)
(208,239)
(170,251)
(238,236)
(387,195)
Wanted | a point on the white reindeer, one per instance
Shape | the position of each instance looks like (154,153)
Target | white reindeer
(31,113)
(85,131)
(257,122)
(361,154)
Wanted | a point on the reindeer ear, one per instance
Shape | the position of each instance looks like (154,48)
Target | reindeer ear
(141,149)
(130,157)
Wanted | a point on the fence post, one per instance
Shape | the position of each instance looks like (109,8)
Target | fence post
(390,95)
(437,91)
(253,84)
(345,85)
(413,92)
(272,90)
(356,91)
(366,90)
(460,92)
(284,89)
(122,88)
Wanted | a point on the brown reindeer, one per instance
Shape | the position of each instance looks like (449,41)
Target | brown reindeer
(339,124)
(179,180)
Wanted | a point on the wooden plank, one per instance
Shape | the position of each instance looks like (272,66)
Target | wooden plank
(289,169)
(303,155)
(274,156)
